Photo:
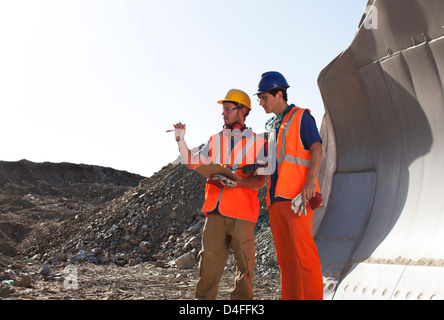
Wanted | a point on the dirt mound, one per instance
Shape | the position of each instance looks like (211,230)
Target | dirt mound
(159,220)
(33,195)
(67,214)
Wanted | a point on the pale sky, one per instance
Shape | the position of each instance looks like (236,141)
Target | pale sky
(100,81)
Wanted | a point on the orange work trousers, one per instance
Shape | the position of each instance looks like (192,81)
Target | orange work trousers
(297,254)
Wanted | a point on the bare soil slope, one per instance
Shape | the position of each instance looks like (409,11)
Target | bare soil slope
(71,231)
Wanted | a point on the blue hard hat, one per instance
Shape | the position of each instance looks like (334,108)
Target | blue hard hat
(271,80)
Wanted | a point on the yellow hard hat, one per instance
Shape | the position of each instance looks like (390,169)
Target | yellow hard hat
(238,97)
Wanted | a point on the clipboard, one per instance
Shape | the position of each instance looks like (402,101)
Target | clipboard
(209,170)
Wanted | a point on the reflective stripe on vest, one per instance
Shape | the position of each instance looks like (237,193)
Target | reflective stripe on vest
(239,203)
(292,159)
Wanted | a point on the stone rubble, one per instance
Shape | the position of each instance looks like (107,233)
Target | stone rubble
(98,221)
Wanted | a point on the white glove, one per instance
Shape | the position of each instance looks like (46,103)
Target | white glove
(298,206)
(226,182)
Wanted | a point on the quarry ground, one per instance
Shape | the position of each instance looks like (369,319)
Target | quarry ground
(79,232)
(111,282)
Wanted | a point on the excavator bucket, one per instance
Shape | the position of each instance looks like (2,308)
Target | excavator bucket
(380,232)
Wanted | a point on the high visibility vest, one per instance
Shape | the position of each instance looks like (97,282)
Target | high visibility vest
(238,203)
(293,161)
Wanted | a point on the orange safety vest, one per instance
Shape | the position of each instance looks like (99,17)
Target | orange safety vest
(238,203)
(293,161)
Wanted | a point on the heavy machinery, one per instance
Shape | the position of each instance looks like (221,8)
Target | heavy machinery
(380,232)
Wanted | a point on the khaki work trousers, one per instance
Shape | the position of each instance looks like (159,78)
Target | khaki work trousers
(219,231)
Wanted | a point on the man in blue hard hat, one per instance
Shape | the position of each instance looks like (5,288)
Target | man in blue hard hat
(297,146)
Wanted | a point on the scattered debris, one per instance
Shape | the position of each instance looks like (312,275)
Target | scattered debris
(58,215)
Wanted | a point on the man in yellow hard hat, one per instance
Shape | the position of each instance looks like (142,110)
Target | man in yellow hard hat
(231,207)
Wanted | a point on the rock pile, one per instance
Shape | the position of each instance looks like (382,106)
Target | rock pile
(36,196)
(125,220)
(153,221)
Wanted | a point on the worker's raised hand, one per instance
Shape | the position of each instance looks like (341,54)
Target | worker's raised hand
(179,130)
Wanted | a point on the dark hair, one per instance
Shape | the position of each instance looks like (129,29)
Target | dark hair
(275,91)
